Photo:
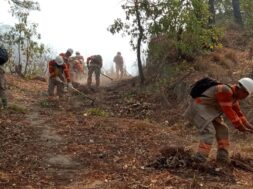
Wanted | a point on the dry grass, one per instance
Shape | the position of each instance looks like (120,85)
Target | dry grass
(18,108)
(231,55)
(226,63)
(216,57)
(250,55)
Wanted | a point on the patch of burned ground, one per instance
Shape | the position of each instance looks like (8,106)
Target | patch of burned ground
(180,161)
(123,99)
(127,101)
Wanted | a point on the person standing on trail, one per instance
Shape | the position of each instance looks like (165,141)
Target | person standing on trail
(66,56)
(58,71)
(78,66)
(205,112)
(79,57)
(3,59)
(119,63)
(94,64)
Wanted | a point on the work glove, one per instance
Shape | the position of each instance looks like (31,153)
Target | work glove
(70,86)
(249,126)
(4,103)
(58,80)
(240,126)
(241,129)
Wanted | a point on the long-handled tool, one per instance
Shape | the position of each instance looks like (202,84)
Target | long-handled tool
(84,95)
(106,76)
(249,131)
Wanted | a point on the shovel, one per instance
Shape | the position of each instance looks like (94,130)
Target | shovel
(107,76)
(84,95)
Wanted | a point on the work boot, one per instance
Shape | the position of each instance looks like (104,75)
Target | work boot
(222,157)
(97,83)
(4,103)
(89,82)
(223,163)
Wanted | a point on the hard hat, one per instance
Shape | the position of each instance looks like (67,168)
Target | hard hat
(59,60)
(247,83)
(70,51)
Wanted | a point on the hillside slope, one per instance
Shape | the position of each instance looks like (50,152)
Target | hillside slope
(114,143)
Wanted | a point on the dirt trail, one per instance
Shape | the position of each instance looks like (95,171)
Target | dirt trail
(72,144)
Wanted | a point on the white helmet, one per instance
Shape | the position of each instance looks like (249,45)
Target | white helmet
(70,51)
(247,83)
(59,60)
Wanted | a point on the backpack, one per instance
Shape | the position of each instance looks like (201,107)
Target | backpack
(97,59)
(201,86)
(3,56)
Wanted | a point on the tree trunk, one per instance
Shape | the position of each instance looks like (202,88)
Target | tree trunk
(142,78)
(212,12)
(237,12)
(18,68)
(27,57)
(19,49)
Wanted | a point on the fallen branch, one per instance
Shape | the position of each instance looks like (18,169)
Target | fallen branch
(241,165)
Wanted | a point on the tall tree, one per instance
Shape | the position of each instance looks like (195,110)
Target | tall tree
(237,12)
(24,33)
(212,11)
(133,26)
(140,36)
(167,24)
(247,9)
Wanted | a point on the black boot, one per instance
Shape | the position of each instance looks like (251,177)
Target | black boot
(4,103)
(222,156)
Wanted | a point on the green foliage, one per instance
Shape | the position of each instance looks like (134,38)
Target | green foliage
(17,108)
(97,112)
(224,10)
(197,33)
(186,22)
(24,34)
(128,96)
(24,38)
(135,26)
(224,13)
(183,25)
(117,26)
(247,13)
(170,75)
(45,104)
(172,71)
